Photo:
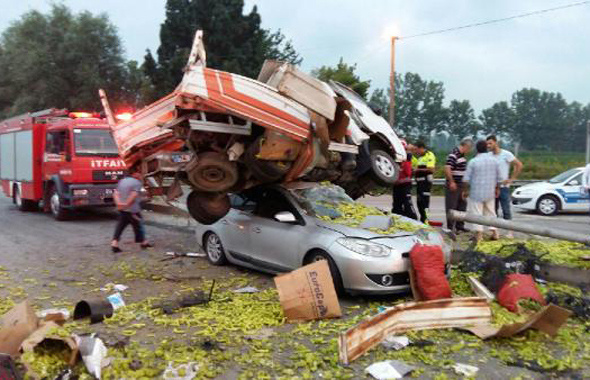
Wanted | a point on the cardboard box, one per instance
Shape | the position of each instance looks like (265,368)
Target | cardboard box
(308,293)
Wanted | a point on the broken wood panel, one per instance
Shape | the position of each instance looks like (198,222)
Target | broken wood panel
(445,313)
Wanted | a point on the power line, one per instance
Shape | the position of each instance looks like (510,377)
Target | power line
(495,20)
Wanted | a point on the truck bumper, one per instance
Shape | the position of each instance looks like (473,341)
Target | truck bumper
(89,195)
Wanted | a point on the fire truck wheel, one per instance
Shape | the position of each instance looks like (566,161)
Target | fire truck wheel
(58,212)
(207,208)
(264,170)
(212,171)
(23,204)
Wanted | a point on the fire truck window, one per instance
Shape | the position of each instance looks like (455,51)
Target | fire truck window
(56,142)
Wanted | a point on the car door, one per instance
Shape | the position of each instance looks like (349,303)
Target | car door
(576,198)
(236,225)
(276,246)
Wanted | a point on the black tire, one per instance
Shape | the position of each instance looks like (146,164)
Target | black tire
(55,207)
(264,170)
(363,185)
(318,255)
(213,172)
(207,208)
(214,249)
(384,169)
(23,204)
(548,205)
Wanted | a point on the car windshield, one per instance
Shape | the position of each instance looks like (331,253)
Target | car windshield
(563,176)
(324,201)
(94,142)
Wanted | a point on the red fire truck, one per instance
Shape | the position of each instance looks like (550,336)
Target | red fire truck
(65,159)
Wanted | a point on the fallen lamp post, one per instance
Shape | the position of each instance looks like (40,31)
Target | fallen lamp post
(461,216)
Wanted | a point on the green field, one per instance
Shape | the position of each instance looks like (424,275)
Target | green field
(537,165)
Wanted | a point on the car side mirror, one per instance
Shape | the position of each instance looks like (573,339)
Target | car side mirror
(573,183)
(285,217)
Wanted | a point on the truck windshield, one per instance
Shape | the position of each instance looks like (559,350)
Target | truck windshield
(94,142)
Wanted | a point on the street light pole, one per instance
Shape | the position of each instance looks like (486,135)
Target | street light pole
(392,84)
(587,142)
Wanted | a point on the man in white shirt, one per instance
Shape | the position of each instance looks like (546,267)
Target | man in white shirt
(586,178)
(506,160)
(482,178)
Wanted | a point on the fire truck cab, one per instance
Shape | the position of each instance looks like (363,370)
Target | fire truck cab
(64,159)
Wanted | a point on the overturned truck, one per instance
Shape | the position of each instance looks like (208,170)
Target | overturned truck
(219,132)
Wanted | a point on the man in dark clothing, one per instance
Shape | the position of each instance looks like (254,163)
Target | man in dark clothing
(423,163)
(402,189)
(127,198)
(454,172)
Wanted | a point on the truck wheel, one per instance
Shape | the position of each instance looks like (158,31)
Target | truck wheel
(212,171)
(363,185)
(23,204)
(207,208)
(58,212)
(384,169)
(264,170)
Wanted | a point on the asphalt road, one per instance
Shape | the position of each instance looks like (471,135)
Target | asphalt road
(573,222)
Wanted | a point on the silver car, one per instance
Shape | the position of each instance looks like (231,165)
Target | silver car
(278,228)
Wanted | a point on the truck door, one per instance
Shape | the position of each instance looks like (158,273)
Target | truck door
(57,155)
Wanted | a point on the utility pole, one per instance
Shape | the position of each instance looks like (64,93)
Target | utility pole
(587,142)
(392,84)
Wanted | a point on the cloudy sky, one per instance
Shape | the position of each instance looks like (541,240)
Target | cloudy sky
(484,64)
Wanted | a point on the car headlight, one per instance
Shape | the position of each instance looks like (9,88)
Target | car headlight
(524,192)
(365,247)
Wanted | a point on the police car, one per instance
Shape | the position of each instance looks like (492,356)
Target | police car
(564,192)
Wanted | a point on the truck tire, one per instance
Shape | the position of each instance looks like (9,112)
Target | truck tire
(207,208)
(55,207)
(264,170)
(384,169)
(363,185)
(212,172)
(23,204)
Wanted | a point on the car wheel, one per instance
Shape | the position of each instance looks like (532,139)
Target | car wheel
(548,205)
(207,208)
(383,167)
(58,212)
(214,249)
(264,170)
(318,255)
(212,171)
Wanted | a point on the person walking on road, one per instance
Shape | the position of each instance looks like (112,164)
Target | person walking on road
(402,189)
(454,172)
(482,178)
(506,160)
(423,162)
(127,199)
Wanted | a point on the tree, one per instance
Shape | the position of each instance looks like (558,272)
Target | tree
(235,41)
(60,59)
(461,121)
(345,74)
(540,119)
(499,119)
(419,108)
(380,101)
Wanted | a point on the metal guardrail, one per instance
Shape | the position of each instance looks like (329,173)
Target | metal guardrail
(518,182)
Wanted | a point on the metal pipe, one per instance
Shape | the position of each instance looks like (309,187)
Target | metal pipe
(461,216)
